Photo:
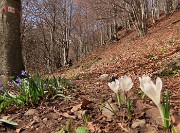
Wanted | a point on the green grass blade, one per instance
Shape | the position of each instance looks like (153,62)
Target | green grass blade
(9,122)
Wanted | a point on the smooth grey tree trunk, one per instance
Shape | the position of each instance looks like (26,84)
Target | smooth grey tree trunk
(10,46)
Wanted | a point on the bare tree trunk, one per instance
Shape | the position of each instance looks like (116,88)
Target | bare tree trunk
(109,30)
(175,4)
(10,46)
(139,16)
(51,52)
(168,8)
(115,31)
(144,16)
(154,11)
(67,23)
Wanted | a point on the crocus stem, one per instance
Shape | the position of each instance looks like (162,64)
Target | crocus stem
(166,110)
(112,110)
(129,108)
(118,95)
(161,111)
(125,97)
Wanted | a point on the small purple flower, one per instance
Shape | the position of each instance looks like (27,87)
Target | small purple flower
(10,83)
(23,73)
(18,80)
(1,84)
(2,89)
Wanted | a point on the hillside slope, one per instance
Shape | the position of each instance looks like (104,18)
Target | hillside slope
(134,57)
(131,53)
(130,56)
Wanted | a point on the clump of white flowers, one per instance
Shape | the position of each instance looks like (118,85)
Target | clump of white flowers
(149,88)
(125,84)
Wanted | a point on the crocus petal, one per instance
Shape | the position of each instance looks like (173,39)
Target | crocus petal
(125,83)
(114,86)
(148,89)
(126,79)
(146,78)
(122,84)
(141,83)
(130,85)
(152,91)
(158,87)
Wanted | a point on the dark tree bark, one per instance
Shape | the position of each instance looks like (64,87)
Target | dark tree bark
(168,8)
(10,46)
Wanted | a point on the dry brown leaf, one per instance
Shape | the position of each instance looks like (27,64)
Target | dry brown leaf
(68,116)
(80,113)
(19,130)
(85,103)
(121,126)
(109,110)
(76,108)
(91,127)
(30,124)
(6,117)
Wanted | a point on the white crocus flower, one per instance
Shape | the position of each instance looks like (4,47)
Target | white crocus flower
(125,83)
(153,91)
(150,89)
(114,85)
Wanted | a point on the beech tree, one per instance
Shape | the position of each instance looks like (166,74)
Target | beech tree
(10,46)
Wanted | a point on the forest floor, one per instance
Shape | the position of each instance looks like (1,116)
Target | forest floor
(130,56)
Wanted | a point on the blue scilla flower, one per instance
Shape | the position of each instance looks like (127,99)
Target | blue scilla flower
(2,89)
(19,81)
(23,73)
(1,84)
(44,85)
(10,84)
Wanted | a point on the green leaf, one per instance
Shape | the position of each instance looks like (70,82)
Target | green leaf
(1,98)
(174,129)
(11,95)
(61,95)
(81,130)
(8,122)
(143,95)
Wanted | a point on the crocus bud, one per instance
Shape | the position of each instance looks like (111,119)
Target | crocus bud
(114,85)
(125,83)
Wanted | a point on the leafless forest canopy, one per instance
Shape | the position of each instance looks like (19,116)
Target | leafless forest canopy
(56,32)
